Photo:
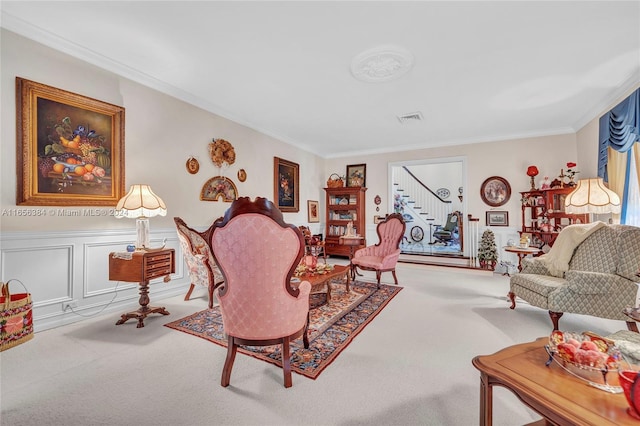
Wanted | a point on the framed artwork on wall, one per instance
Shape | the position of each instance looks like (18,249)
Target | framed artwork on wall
(286,180)
(313,211)
(495,191)
(70,148)
(357,175)
(497,218)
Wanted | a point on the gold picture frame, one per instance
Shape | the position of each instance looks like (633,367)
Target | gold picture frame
(286,182)
(70,148)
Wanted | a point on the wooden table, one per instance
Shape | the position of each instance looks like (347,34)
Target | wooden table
(352,242)
(522,252)
(142,267)
(318,281)
(556,395)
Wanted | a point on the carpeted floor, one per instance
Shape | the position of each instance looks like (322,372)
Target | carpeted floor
(332,326)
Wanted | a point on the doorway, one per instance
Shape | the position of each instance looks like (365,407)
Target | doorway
(445,180)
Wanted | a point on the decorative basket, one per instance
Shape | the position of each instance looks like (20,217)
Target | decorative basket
(335,181)
(16,321)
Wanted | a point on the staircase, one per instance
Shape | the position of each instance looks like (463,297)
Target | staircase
(416,199)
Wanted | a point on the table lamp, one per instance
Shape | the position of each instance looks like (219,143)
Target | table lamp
(532,172)
(141,203)
(592,196)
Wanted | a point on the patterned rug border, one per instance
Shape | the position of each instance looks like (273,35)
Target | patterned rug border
(392,290)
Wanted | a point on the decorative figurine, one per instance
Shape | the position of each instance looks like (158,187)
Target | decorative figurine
(545,183)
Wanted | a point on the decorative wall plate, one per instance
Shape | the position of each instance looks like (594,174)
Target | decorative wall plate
(242,175)
(443,193)
(193,166)
(495,191)
(219,186)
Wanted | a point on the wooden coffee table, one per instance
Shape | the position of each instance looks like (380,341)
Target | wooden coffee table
(556,395)
(318,281)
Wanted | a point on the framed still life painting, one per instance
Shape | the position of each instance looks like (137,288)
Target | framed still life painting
(286,180)
(70,148)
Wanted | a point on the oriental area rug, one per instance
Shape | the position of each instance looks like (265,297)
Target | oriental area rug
(332,326)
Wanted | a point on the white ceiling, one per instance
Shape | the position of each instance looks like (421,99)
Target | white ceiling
(483,71)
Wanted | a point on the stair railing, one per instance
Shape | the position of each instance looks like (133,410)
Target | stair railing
(430,208)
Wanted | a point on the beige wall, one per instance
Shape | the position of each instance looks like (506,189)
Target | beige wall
(161,134)
(508,159)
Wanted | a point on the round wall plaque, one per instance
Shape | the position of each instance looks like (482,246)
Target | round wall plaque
(495,191)
(193,166)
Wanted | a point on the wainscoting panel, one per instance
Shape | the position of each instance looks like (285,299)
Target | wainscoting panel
(58,268)
(47,272)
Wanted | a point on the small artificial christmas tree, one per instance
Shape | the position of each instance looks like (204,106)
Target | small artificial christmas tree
(487,252)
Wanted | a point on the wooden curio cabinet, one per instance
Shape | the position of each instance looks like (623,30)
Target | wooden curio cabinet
(342,206)
(543,214)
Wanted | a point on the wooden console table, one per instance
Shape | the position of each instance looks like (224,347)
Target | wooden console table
(142,267)
(559,397)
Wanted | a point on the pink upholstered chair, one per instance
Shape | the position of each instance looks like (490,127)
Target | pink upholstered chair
(258,253)
(383,256)
(203,270)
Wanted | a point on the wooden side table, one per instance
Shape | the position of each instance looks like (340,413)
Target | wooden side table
(522,252)
(352,242)
(142,267)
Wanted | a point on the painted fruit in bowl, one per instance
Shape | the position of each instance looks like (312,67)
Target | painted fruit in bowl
(630,382)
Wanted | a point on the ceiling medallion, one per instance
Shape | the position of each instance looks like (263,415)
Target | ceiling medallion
(382,63)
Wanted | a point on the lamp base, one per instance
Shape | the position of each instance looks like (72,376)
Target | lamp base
(142,232)
(533,183)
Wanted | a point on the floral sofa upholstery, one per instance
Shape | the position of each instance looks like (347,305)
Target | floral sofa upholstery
(600,281)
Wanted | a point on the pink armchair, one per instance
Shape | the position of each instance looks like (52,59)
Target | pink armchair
(203,269)
(258,253)
(383,256)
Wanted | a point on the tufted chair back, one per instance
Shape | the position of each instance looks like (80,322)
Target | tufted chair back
(257,253)
(202,268)
(383,256)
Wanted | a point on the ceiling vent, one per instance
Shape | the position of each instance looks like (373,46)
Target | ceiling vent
(410,117)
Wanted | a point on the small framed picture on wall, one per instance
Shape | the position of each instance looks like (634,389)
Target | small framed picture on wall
(313,211)
(497,218)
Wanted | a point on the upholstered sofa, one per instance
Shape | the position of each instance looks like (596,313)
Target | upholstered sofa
(600,279)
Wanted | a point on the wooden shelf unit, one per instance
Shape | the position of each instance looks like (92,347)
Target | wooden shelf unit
(343,205)
(549,204)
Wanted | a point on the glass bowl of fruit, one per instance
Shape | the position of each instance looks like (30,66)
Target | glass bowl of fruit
(588,356)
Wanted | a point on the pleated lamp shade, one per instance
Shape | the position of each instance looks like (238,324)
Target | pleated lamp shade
(141,203)
(592,196)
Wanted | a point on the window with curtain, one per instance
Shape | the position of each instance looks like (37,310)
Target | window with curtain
(619,155)
(633,199)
